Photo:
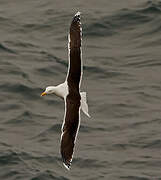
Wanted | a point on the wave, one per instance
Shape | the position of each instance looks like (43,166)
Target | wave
(43,136)
(54,66)
(25,118)
(96,72)
(26,91)
(144,63)
(24,163)
(92,163)
(151,7)
(9,157)
(124,19)
(137,177)
(22,44)
(87,129)
(8,68)
(4,48)
(48,175)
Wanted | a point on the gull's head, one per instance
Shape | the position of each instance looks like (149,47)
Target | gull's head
(48,90)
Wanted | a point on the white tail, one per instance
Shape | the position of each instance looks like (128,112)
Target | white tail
(84,105)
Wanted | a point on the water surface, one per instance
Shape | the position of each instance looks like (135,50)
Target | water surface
(122,76)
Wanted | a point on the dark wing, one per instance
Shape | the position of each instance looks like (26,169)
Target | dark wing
(72,104)
(74,48)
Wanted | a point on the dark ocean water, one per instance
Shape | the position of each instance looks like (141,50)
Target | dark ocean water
(122,76)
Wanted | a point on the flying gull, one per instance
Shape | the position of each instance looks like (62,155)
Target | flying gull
(70,92)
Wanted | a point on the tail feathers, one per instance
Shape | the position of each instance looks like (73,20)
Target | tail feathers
(84,105)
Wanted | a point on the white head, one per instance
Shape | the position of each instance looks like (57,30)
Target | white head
(49,90)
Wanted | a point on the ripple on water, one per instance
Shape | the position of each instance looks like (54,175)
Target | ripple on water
(4,48)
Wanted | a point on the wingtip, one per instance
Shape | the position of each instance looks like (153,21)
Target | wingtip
(67,166)
(76,17)
(78,13)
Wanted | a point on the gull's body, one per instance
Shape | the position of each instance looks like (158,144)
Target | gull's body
(70,92)
(61,90)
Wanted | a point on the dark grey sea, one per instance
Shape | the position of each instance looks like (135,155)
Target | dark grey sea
(122,77)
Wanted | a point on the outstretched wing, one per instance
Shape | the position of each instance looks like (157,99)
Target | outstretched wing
(72,103)
(74,49)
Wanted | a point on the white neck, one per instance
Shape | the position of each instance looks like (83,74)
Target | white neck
(61,90)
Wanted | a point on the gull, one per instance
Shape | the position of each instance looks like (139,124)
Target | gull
(70,92)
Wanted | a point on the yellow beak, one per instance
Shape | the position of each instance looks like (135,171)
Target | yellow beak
(43,94)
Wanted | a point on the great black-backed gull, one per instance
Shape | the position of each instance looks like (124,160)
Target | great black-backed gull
(70,92)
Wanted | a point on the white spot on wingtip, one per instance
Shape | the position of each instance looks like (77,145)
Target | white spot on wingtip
(68,168)
(78,14)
